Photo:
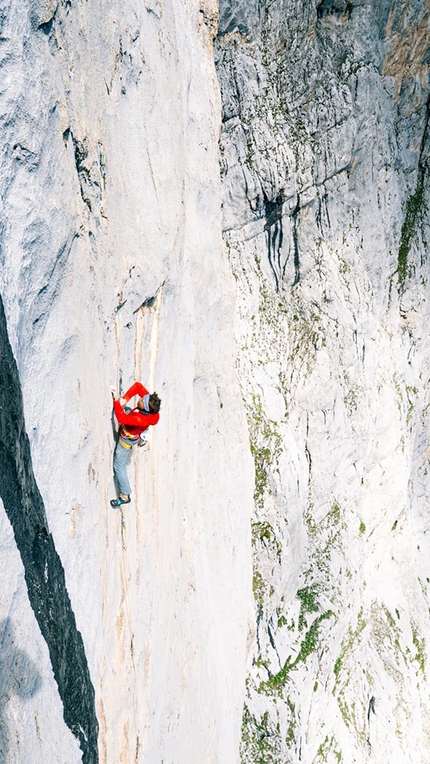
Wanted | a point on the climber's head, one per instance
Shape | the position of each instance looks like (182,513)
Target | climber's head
(154,403)
(150,403)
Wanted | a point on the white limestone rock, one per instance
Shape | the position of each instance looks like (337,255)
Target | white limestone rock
(112,259)
(325,186)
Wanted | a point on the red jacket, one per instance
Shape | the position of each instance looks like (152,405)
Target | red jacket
(136,421)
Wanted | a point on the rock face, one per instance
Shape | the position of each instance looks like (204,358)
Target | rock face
(113,267)
(44,574)
(291,356)
(324,161)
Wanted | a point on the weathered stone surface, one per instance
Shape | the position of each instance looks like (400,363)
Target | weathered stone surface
(325,195)
(44,575)
(112,261)
(113,268)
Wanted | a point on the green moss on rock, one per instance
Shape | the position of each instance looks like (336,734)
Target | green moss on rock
(415,208)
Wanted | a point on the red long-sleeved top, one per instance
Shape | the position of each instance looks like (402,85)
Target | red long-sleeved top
(136,421)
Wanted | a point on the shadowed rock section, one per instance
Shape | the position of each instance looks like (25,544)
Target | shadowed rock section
(19,676)
(44,572)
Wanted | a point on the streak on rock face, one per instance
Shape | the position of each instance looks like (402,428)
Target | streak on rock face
(337,8)
(44,572)
(274,232)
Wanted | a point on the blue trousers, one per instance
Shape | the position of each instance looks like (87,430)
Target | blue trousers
(120,460)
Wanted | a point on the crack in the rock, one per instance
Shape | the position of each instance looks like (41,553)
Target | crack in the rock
(44,573)
(294,216)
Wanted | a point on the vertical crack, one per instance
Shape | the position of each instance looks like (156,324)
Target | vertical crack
(44,573)
(294,217)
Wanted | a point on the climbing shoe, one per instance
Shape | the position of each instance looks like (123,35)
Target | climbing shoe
(117,502)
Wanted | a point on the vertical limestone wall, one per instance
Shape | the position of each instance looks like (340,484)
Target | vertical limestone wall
(324,162)
(113,266)
(312,309)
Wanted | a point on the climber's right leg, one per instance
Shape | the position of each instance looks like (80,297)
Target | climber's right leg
(121,457)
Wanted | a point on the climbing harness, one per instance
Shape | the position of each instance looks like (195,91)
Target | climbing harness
(129,435)
(124,444)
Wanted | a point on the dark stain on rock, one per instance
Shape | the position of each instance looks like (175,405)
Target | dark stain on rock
(337,8)
(294,218)
(275,236)
(81,159)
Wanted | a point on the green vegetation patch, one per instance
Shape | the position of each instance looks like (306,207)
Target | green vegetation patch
(387,635)
(261,588)
(410,392)
(275,684)
(353,714)
(261,739)
(349,643)
(419,644)
(324,536)
(308,603)
(291,731)
(266,447)
(263,532)
(415,208)
(327,747)
(307,333)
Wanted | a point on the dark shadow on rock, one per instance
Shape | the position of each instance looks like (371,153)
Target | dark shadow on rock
(43,570)
(18,676)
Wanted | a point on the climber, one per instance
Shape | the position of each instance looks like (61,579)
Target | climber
(133,422)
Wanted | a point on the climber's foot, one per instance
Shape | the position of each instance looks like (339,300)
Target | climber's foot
(120,500)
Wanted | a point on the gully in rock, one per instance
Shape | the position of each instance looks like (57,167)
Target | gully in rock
(133,425)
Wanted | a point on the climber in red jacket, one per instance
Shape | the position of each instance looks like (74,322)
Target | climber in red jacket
(133,422)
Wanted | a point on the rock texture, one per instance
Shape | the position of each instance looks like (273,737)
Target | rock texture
(112,267)
(44,574)
(324,160)
(291,356)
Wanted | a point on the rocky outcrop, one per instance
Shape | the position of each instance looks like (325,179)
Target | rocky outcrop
(324,161)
